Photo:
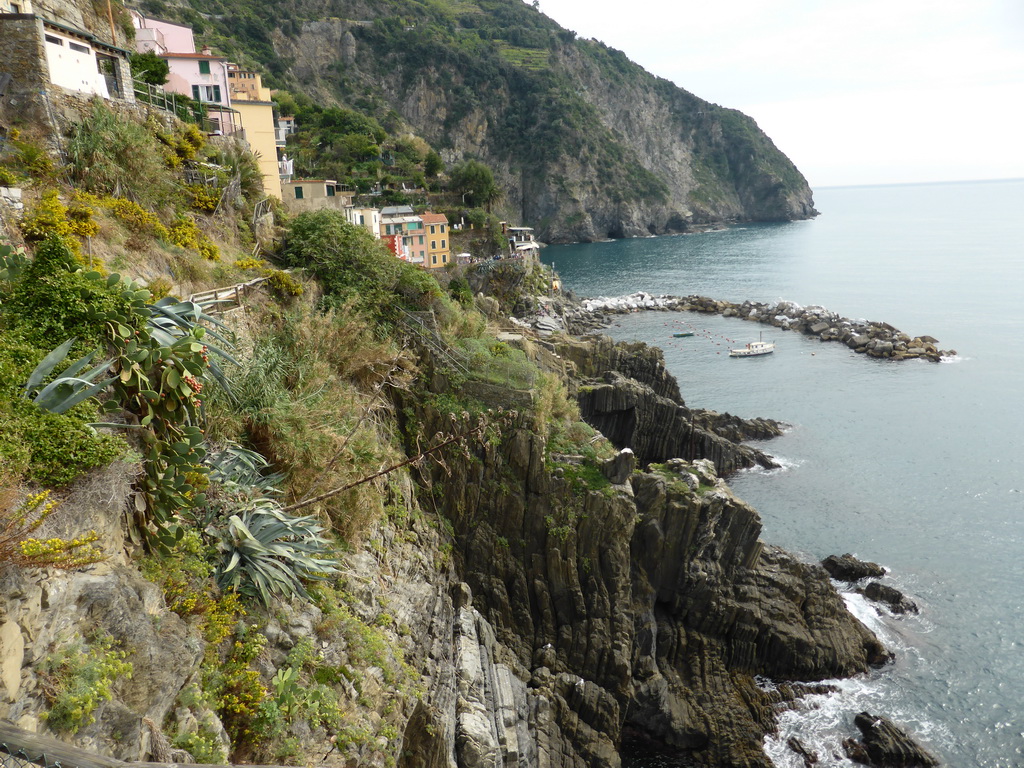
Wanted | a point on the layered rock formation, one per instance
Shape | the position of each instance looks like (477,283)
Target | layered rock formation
(631,612)
(585,144)
(625,391)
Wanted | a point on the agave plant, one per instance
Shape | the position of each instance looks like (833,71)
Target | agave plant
(267,553)
(68,389)
(242,471)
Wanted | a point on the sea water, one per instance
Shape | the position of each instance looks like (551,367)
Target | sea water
(915,465)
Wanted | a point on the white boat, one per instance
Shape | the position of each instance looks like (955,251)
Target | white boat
(753,349)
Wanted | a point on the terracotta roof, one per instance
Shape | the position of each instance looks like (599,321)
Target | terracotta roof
(207,56)
(434,218)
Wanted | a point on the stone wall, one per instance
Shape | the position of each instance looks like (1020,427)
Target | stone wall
(23,57)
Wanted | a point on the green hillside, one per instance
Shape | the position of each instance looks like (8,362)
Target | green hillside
(571,126)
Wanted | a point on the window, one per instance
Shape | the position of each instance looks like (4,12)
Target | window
(433,259)
(298,193)
(433,245)
(54,40)
(204,67)
(421,239)
(206,93)
(432,229)
(15,8)
(330,190)
(79,48)
(443,245)
(442,230)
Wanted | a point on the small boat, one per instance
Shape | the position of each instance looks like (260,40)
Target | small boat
(754,349)
(682,334)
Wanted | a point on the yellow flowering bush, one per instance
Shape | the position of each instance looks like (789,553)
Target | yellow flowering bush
(202,198)
(48,216)
(185,232)
(208,250)
(19,548)
(138,219)
(283,284)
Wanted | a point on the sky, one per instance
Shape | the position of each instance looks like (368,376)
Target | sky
(853,91)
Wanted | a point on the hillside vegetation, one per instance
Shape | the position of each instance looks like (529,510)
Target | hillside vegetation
(585,143)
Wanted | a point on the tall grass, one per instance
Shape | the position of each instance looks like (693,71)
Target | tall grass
(312,397)
(112,156)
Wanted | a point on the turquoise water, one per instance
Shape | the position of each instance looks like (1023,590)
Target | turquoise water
(915,465)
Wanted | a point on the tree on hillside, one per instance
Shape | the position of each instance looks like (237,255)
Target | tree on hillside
(475,182)
(149,68)
(433,164)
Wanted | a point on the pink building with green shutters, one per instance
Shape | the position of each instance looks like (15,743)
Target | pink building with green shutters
(200,75)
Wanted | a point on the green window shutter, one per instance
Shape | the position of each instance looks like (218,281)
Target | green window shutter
(195,92)
(204,67)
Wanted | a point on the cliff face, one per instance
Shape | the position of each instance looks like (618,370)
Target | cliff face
(637,612)
(585,144)
(603,614)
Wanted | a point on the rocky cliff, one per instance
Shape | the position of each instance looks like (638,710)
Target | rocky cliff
(612,610)
(625,391)
(584,143)
(637,613)
(540,610)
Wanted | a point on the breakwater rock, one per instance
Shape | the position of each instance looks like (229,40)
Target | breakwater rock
(872,338)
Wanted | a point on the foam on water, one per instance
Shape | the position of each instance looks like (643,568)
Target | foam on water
(785,465)
(820,722)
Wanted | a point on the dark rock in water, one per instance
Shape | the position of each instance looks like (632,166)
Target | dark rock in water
(856,751)
(810,758)
(849,568)
(896,600)
(885,745)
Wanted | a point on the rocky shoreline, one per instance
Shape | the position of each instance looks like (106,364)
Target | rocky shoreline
(871,338)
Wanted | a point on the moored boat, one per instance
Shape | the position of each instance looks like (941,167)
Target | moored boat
(754,349)
(682,334)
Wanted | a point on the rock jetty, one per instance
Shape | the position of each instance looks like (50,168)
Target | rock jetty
(872,338)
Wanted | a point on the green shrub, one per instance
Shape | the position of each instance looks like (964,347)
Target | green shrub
(44,448)
(460,291)
(8,178)
(55,300)
(81,676)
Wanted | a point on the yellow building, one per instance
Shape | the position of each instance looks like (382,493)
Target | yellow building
(256,113)
(439,250)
